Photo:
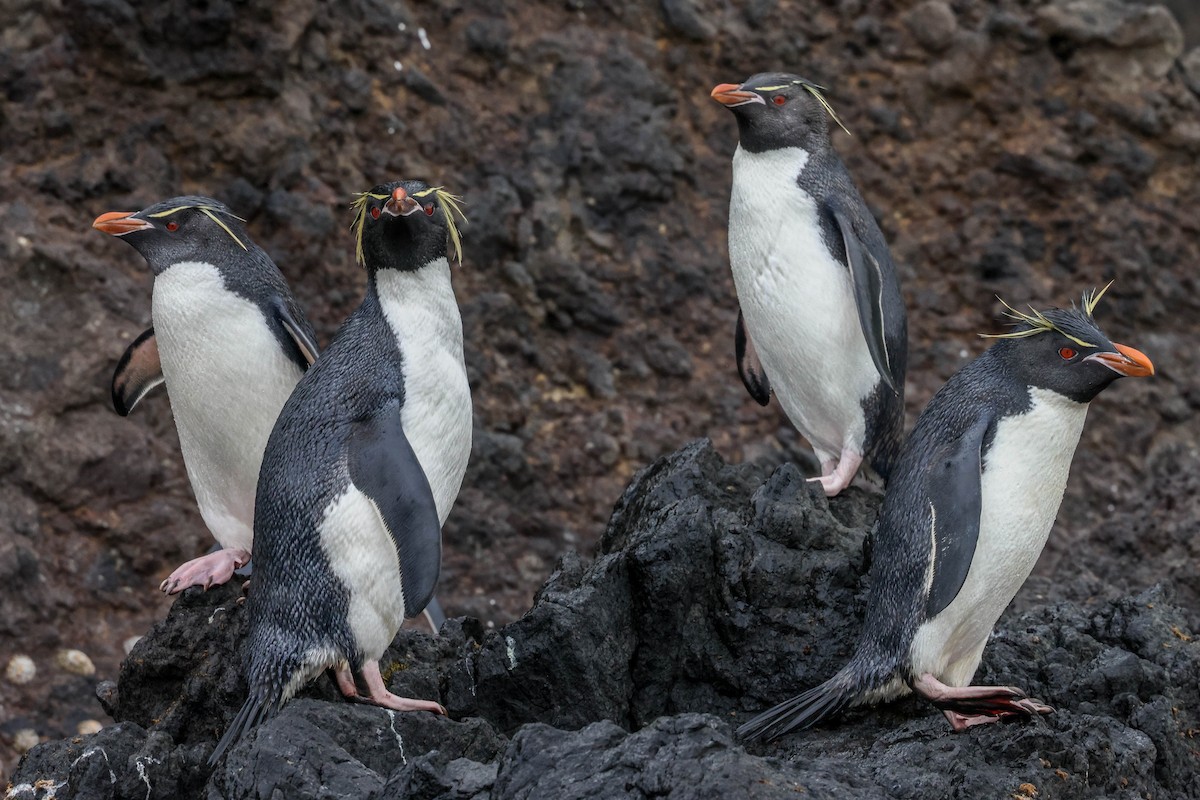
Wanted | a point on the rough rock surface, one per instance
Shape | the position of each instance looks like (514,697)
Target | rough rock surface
(715,592)
(1008,148)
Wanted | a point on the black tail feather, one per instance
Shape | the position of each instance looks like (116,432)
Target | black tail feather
(802,711)
(255,710)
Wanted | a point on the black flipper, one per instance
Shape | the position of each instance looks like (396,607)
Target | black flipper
(866,275)
(301,336)
(384,467)
(953,487)
(138,371)
(749,367)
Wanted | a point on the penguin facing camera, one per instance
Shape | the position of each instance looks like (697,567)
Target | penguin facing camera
(971,501)
(229,342)
(361,469)
(821,320)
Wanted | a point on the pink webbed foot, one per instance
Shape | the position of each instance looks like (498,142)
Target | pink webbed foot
(345,681)
(968,706)
(377,693)
(207,571)
(837,479)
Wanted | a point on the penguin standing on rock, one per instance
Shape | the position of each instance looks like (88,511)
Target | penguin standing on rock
(971,502)
(230,343)
(363,465)
(822,320)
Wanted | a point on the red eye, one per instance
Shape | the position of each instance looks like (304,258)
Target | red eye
(375,212)
(172,226)
(429,210)
(1067,353)
(778,99)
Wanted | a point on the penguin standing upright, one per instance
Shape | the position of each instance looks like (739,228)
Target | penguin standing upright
(230,343)
(969,507)
(364,462)
(821,320)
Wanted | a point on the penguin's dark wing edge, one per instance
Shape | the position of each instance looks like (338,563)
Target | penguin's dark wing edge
(867,277)
(384,467)
(138,371)
(954,491)
(300,334)
(749,367)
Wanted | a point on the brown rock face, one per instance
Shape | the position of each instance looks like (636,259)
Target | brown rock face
(1021,148)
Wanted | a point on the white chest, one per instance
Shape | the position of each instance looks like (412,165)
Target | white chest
(422,312)
(1024,477)
(227,379)
(363,556)
(797,299)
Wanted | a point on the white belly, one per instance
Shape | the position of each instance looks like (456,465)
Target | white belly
(363,556)
(797,301)
(421,310)
(1025,475)
(227,379)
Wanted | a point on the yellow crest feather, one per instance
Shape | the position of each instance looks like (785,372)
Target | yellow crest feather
(1039,323)
(359,207)
(211,213)
(451,205)
(815,91)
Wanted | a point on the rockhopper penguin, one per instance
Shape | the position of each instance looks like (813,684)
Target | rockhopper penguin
(971,501)
(363,465)
(822,321)
(230,343)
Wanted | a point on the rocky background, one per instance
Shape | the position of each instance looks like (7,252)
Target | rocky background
(1024,148)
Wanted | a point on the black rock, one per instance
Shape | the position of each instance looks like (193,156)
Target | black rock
(714,594)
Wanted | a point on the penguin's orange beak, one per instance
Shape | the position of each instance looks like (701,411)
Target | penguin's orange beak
(119,223)
(730,95)
(400,204)
(1126,361)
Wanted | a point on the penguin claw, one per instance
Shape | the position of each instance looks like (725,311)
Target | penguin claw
(207,571)
(968,706)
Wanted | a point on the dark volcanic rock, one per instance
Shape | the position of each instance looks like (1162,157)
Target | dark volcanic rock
(716,591)
(1020,148)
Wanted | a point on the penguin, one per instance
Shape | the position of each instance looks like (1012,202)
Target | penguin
(971,502)
(821,321)
(230,343)
(361,469)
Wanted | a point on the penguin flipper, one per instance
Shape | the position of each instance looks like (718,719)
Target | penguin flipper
(384,467)
(749,366)
(954,491)
(138,371)
(869,281)
(300,334)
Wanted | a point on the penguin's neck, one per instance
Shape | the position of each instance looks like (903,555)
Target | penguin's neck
(419,305)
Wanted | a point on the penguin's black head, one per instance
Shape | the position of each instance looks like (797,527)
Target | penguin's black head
(180,229)
(774,110)
(1064,350)
(405,225)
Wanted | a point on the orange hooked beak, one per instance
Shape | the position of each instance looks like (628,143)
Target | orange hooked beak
(400,204)
(1126,361)
(731,94)
(119,223)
